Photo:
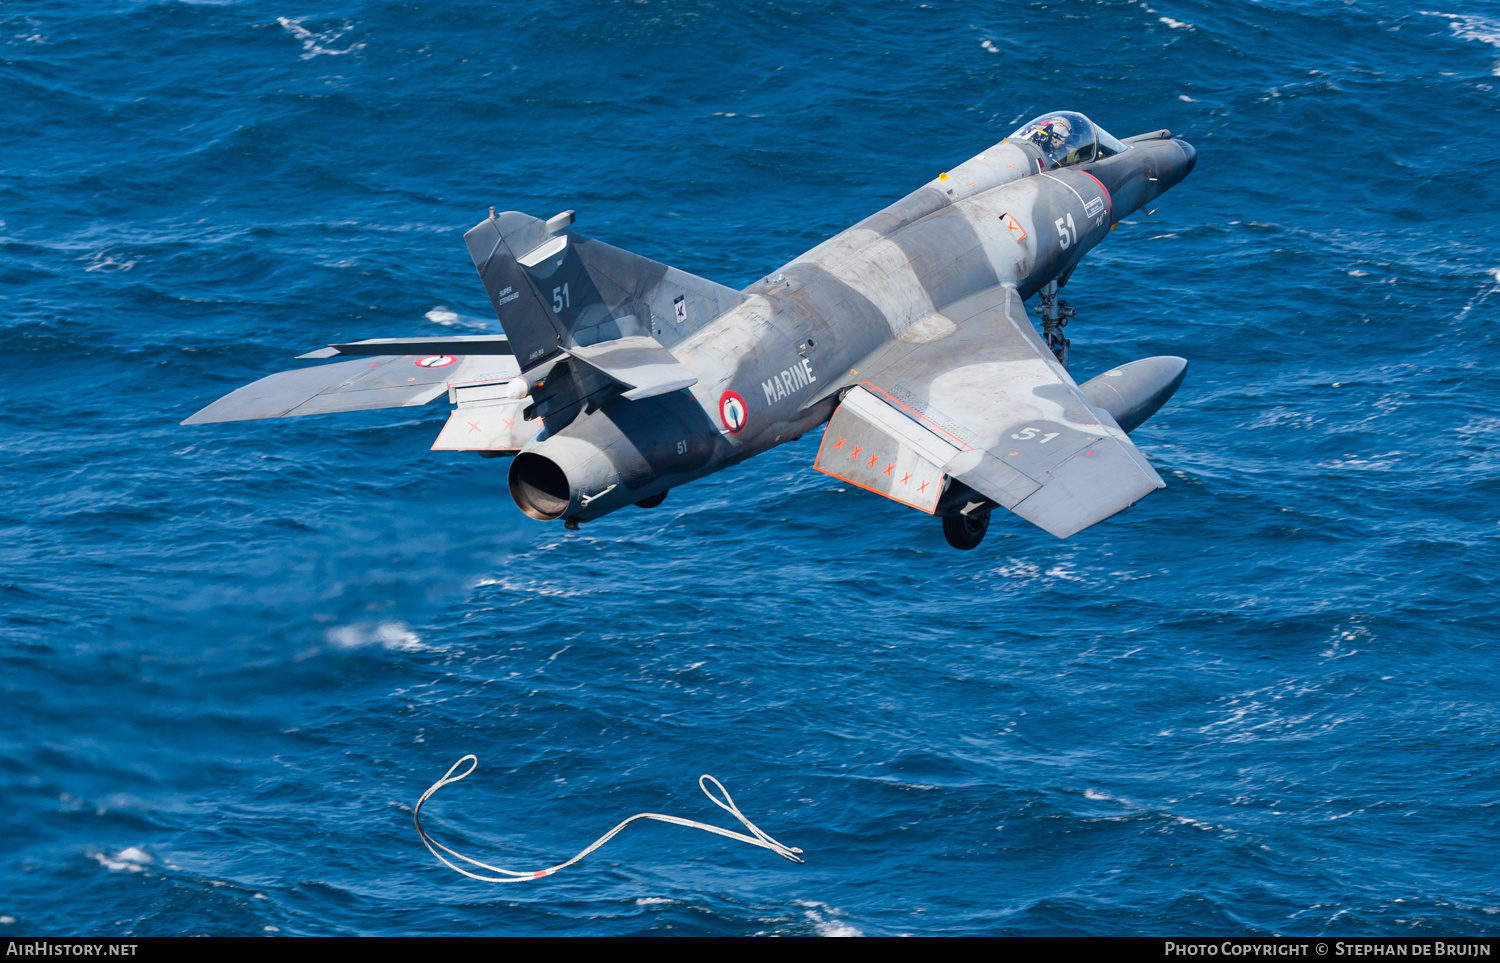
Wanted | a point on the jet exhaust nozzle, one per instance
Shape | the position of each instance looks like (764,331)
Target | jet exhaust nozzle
(562,477)
(540,487)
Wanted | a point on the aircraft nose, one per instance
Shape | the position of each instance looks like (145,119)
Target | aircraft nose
(1174,169)
(1189,157)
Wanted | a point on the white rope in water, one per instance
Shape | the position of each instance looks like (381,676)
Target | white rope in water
(758,838)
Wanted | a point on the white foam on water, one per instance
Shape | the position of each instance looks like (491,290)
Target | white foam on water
(653,901)
(989,46)
(313,41)
(1467,26)
(1019,570)
(1479,426)
(441,315)
(1186,99)
(824,919)
(104,261)
(394,636)
(1065,572)
(1381,462)
(511,584)
(7,920)
(1175,24)
(128,860)
(835,928)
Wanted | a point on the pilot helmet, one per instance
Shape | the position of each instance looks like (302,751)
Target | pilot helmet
(1061,131)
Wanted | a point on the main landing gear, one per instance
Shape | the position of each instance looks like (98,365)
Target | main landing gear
(964,532)
(1055,315)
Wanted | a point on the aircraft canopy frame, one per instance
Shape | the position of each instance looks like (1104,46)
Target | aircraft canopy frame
(1067,138)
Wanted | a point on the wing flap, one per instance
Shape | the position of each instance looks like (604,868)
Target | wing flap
(488,426)
(869,445)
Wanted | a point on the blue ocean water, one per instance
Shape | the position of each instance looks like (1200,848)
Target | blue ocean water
(232,656)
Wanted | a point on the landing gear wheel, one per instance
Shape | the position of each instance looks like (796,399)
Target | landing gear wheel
(964,532)
(653,501)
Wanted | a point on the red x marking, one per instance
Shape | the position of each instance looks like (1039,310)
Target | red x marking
(888,467)
(855,452)
(839,445)
(510,424)
(473,426)
(872,461)
(923,488)
(906,478)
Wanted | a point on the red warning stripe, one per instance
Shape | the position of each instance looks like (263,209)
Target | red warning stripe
(1107,198)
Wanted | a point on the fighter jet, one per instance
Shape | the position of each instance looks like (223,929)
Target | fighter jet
(619,378)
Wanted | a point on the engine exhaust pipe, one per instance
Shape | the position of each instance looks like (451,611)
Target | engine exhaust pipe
(539,486)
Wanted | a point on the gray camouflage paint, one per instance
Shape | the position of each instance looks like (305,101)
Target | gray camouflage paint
(640,377)
(922,304)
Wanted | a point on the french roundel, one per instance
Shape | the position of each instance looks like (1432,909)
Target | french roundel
(436,361)
(733,411)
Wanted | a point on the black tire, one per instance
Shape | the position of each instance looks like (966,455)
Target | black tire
(965,532)
(653,501)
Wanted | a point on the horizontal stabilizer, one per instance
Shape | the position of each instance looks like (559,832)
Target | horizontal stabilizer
(639,364)
(358,385)
(460,345)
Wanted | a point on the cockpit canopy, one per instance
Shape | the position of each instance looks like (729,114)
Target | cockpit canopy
(1066,137)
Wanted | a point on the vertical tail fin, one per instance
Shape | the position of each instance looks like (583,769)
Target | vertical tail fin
(565,290)
(533,330)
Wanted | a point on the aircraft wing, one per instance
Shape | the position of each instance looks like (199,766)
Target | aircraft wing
(457,344)
(972,393)
(359,385)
